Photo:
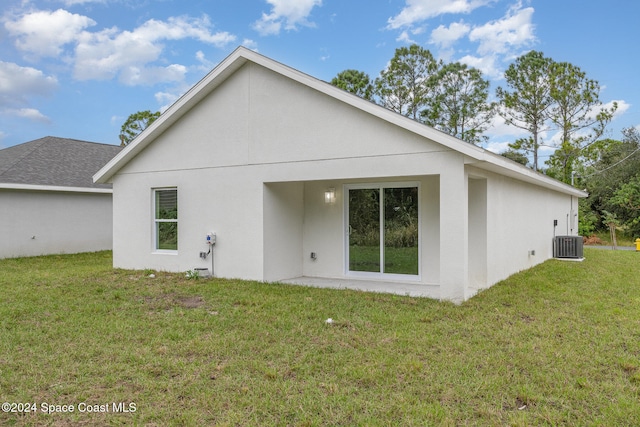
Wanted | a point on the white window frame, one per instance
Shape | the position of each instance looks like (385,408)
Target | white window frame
(372,274)
(156,221)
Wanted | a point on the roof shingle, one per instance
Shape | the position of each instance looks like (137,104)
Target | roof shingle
(56,162)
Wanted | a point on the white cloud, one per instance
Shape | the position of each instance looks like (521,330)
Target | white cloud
(148,76)
(497,147)
(31,114)
(111,52)
(205,64)
(404,37)
(250,44)
(182,27)
(486,64)
(117,120)
(501,134)
(445,37)
(513,31)
(18,84)
(623,106)
(165,99)
(81,2)
(419,10)
(44,33)
(287,14)
(129,55)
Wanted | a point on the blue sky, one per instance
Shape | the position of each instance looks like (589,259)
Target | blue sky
(78,68)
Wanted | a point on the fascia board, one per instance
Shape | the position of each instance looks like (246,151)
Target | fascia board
(56,188)
(498,164)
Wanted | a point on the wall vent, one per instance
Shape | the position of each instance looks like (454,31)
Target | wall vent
(567,247)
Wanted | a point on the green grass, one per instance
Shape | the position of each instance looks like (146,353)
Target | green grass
(402,260)
(555,345)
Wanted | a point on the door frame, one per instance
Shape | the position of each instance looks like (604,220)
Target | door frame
(380,275)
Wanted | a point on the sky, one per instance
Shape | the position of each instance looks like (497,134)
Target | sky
(78,68)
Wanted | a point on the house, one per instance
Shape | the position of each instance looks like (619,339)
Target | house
(48,201)
(298,181)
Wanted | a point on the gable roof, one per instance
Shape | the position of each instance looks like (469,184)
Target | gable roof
(477,156)
(55,164)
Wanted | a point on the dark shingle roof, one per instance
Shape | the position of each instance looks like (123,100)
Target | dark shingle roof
(55,161)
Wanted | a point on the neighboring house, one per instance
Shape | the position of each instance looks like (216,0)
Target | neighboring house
(48,202)
(305,183)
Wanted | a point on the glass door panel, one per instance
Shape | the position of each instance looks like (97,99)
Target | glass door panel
(383,230)
(401,230)
(364,229)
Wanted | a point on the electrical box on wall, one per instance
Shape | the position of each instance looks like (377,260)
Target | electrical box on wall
(211,238)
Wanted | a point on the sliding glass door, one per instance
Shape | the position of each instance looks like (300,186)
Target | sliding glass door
(383,229)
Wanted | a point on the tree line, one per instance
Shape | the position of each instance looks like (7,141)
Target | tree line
(540,96)
(451,97)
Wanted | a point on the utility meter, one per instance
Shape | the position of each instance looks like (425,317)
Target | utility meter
(211,238)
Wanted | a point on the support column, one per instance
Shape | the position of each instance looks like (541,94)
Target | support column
(454,232)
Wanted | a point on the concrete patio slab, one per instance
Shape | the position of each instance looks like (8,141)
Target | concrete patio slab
(398,288)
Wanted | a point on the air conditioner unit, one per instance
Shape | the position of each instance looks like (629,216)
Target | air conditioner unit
(567,247)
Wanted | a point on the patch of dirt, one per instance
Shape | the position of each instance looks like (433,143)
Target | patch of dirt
(168,301)
(592,240)
(191,302)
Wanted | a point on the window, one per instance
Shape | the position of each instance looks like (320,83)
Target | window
(383,229)
(166,219)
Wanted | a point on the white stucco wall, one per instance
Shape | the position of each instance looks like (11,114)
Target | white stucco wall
(283,219)
(251,162)
(53,222)
(519,224)
(520,220)
(227,202)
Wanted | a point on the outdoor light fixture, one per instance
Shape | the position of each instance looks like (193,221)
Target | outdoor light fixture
(330,196)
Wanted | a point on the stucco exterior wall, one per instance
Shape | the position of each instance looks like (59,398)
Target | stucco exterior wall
(224,201)
(520,223)
(53,222)
(251,163)
(283,225)
(223,157)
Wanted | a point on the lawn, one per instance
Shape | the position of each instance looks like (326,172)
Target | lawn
(556,345)
(396,260)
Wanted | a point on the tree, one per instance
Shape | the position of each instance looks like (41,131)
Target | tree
(460,104)
(407,83)
(612,180)
(526,103)
(578,114)
(136,123)
(515,156)
(354,81)
(626,202)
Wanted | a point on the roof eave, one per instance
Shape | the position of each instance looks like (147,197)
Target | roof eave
(498,164)
(55,188)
